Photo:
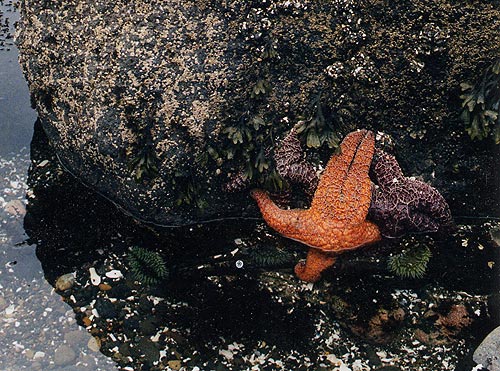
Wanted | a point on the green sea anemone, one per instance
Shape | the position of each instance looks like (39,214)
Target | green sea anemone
(410,263)
(270,257)
(147,266)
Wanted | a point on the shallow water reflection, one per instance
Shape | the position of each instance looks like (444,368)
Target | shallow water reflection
(16,115)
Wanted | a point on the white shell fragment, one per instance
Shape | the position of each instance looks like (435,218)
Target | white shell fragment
(94,277)
(115,273)
(10,310)
(39,355)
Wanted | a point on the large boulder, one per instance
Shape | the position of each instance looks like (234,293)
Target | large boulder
(155,104)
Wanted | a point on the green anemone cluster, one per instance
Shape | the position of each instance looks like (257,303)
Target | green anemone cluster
(410,263)
(147,266)
(481,104)
(271,257)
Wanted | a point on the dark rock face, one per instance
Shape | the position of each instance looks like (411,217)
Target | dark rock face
(174,83)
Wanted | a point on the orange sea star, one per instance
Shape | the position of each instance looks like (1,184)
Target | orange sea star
(336,221)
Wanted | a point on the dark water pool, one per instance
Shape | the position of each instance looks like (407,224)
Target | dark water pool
(83,287)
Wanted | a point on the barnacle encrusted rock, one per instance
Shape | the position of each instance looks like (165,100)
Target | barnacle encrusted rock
(157,90)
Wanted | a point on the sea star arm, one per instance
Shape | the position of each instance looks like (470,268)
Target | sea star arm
(291,165)
(295,224)
(401,204)
(344,190)
(433,205)
(385,170)
(316,262)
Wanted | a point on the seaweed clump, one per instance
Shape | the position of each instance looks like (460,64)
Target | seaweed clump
(147,266)
(144,165)
(317,130)
(480,105)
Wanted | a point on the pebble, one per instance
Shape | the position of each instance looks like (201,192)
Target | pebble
(76,337)
(65,282)
(94,277)
(148,349)
(94,344)
(495,235)
(39,355)
(15,208)
(104,287)
(9,311)
(28,353)
(64,355)
(114,274)
(175,365)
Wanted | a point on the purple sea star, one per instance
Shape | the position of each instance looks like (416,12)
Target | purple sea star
(401,204)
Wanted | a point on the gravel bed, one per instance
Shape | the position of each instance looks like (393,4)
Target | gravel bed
(37,329)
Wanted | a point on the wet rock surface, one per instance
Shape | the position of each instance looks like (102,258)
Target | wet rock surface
(184,94)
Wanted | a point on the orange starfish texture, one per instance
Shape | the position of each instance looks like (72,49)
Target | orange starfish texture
(336,221)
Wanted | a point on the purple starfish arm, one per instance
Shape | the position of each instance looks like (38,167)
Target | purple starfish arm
(292,166)
(401,204)
(237,183)
(385,170)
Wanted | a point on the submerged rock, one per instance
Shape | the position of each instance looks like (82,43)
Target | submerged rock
(180,94)
(64,355)
(488,352)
